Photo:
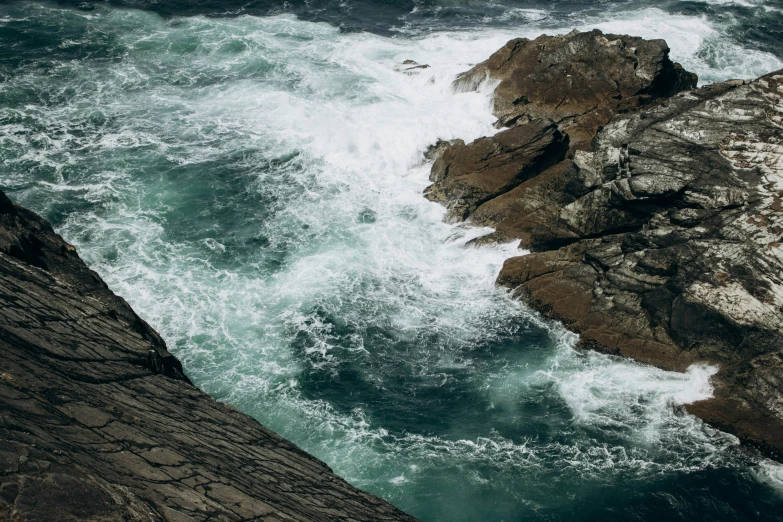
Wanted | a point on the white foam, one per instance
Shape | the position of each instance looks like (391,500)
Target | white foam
(353,130)
(771,473)
(696,43)
(525,15)
(744,3)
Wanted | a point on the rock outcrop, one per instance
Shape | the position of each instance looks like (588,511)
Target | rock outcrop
(467,176)
(566,87)
(99,423)
(658,235)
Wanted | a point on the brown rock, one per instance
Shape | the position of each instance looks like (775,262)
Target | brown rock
(565,77)
(467,176)
(98,423)
(556,92)
(659,236)
(672,250)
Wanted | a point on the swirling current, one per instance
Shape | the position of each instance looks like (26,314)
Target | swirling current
(249,176)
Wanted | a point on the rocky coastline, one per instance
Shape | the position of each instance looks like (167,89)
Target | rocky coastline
(651,210)
(98,421)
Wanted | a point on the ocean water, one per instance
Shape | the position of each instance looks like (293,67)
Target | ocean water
(249,176)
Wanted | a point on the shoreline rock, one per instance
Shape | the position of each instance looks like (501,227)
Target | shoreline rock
(657,235)
(570,84)
(98,422)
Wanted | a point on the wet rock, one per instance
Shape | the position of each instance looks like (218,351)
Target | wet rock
(657,233)
(576,83)
(465,176)
(566,77)
(98,422)
(663,243)
(410,67)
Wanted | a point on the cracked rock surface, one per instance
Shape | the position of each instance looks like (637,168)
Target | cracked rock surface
(658,235)
(98,422)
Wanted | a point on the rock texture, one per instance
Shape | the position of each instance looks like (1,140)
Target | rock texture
(98,422)
(565,88)
(467,176)
(658,236)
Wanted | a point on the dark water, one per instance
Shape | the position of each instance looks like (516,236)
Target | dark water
(757,24)
(248,175)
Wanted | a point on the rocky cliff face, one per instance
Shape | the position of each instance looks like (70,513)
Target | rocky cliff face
(98,422)
(657,233)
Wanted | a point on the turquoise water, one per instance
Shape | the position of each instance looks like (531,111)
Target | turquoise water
(252,186)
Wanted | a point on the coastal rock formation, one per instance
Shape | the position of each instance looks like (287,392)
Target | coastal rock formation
(673,251)
(467,176)
(563,78)
(99,423)
(659,235)
(566,86)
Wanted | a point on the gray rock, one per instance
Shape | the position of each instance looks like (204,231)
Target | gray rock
(673,231)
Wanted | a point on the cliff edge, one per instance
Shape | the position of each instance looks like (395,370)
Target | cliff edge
(99,423)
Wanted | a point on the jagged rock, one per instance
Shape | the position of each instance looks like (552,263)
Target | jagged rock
(98,422)
(572,85)
(466,176)
(410,67)
(672,227)
(565,77)
(658,236)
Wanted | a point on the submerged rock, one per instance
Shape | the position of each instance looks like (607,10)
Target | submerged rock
(98,422)
(410,67)
(658,236)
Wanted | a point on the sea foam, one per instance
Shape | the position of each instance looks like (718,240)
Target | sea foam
(253,187)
